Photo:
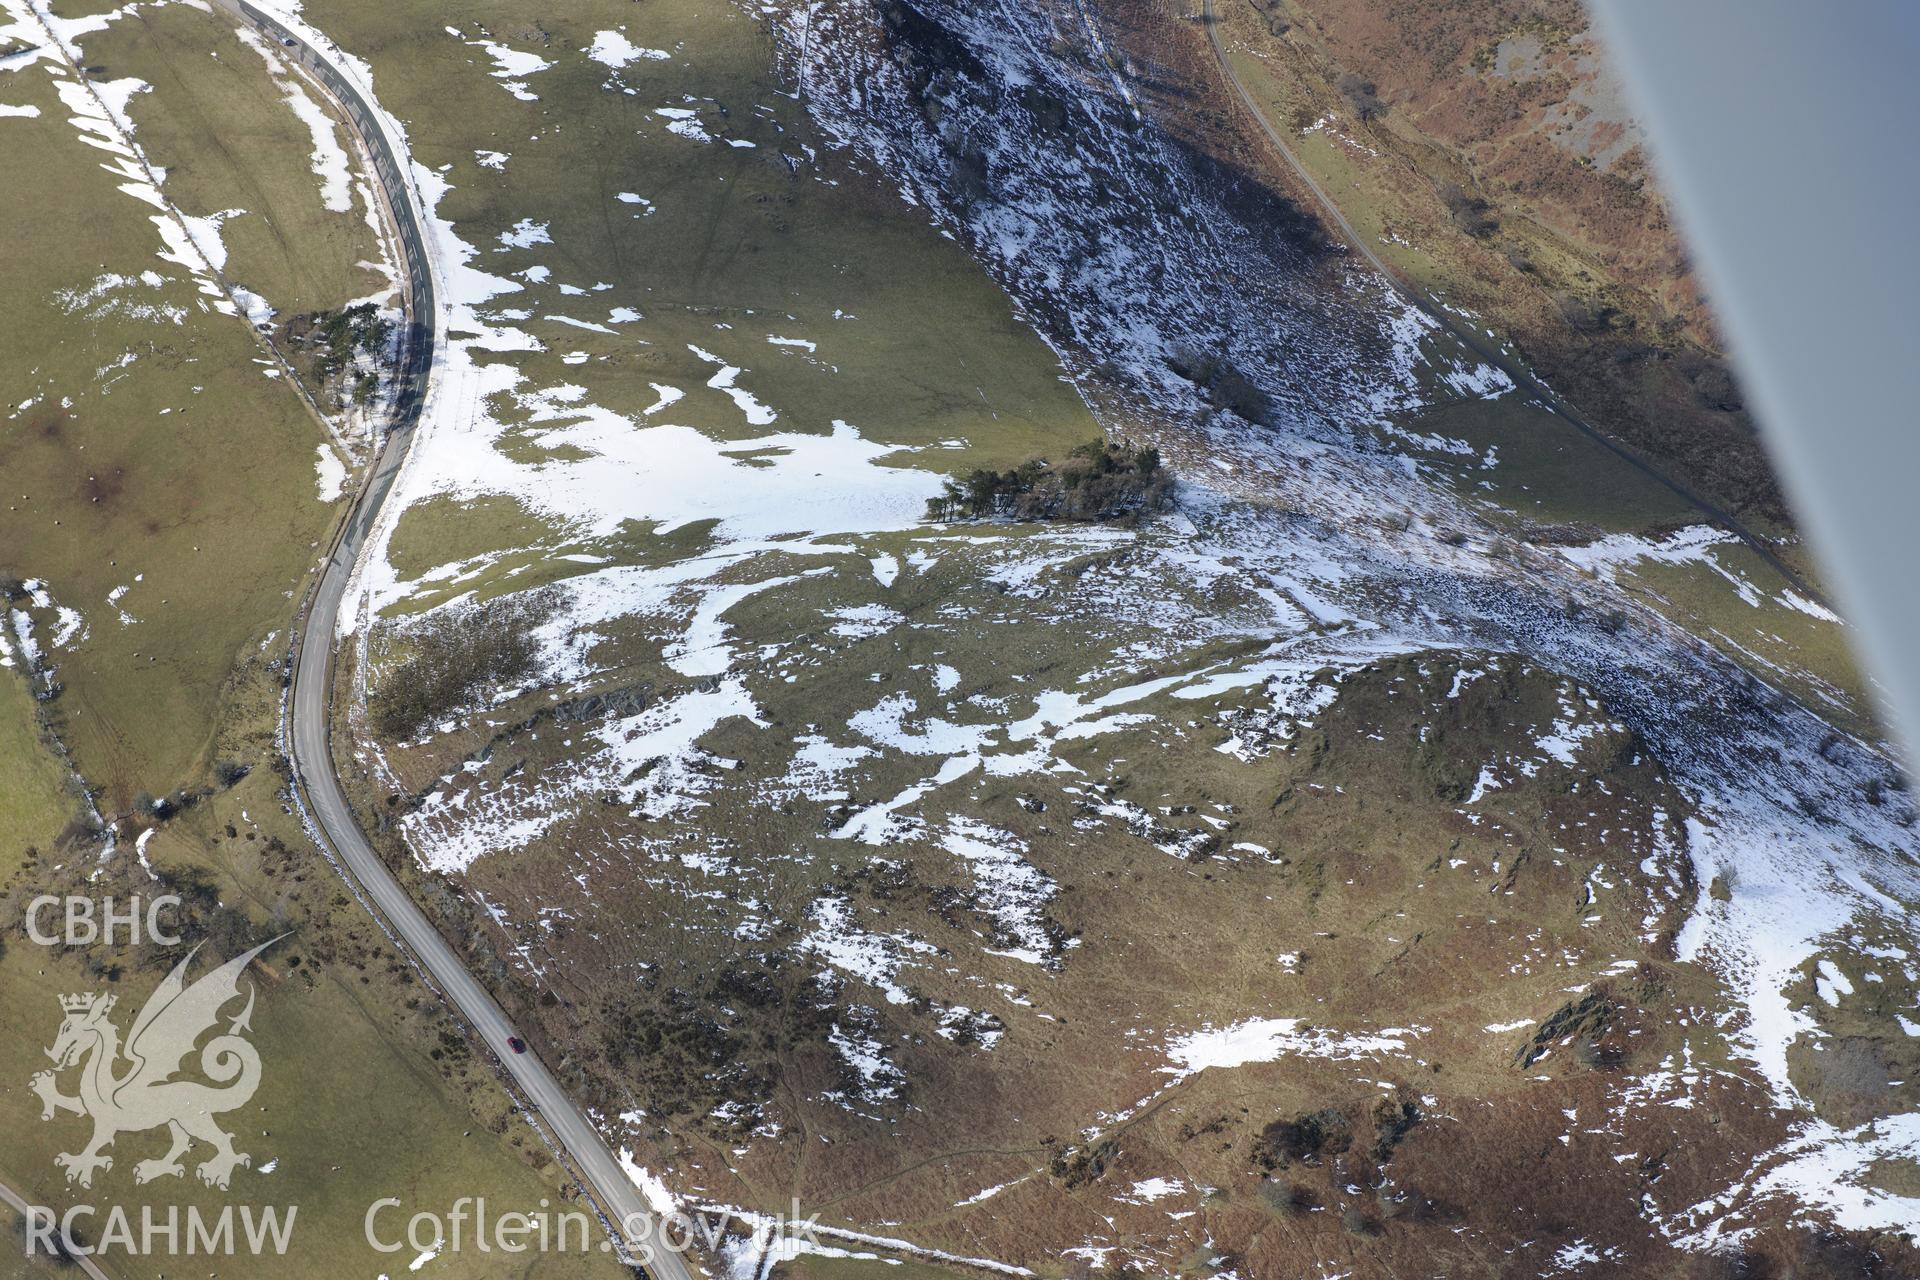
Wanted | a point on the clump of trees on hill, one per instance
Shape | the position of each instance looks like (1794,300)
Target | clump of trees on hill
(1222,385)
(454,658)
(343,349)
(1361,95)
(1098,481)
(1469,212)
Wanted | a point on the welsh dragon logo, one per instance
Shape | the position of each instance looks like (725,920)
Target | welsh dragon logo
(145,1094)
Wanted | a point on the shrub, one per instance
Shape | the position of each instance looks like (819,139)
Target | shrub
(1360,95)
(1584,315)
(1469,212)
(1077,1166)
(1232,391)
(1392,1122)
(453,657)
(1405,1205)
(1275,15)
(1358,1223)
(689,1051)
(1289,1199)
(1713,384)
(1829,1255)
(1596,1053)
(1590,1015)
(44,1235)
(1223,386)
(1737,1264)
(971,178)
(230,932)
(1304,1138)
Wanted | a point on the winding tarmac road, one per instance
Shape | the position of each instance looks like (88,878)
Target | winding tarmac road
(310,721)
(1466,334)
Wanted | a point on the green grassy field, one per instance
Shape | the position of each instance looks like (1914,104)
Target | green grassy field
(368,1088)
(155,457)
(737,246)
(35,801)
(1533,477)
(734,245)
(14,1265)
(1544,472)
(228,139)
(162,487)
(350,1110)
(1809,656)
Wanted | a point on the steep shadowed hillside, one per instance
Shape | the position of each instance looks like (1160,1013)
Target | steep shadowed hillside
(1488,153)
